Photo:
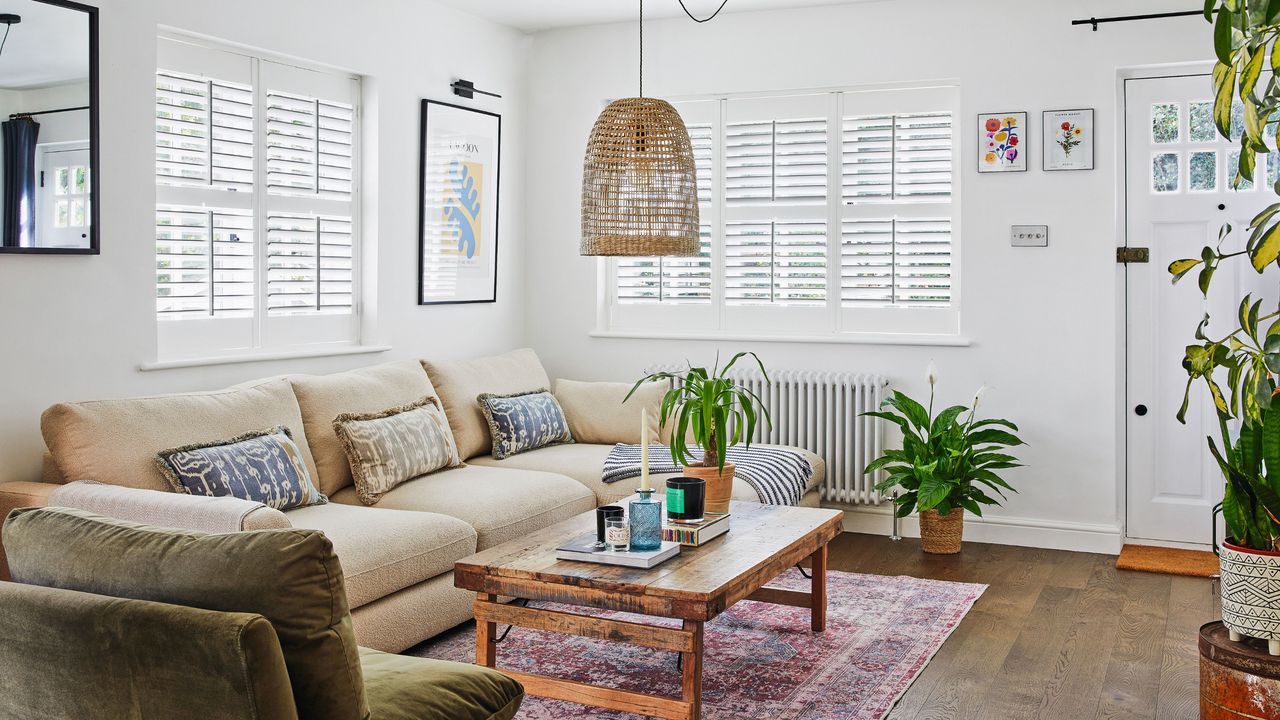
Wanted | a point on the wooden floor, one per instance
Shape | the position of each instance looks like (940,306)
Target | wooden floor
(1057,634)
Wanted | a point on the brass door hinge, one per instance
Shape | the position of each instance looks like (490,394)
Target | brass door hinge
(1126,255)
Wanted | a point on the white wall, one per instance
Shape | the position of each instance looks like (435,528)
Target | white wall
(1043,322)
(79,327)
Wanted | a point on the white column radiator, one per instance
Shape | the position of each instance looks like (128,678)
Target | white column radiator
(822,412)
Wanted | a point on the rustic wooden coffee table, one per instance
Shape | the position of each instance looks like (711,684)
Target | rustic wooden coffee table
(694,587)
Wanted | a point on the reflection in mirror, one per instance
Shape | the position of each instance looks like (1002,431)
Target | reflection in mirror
(46,147)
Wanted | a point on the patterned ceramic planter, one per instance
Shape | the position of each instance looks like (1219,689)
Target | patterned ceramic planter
(1251,594)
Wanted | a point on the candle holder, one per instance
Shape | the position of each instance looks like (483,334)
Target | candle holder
(646,522)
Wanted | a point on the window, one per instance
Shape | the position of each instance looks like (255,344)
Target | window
(822,213)
(257,221)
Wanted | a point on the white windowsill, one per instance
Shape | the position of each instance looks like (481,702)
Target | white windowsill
(264,356)
(833,338)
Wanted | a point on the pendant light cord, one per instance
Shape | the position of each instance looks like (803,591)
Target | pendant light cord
(641,48)
(7,28)
(710,17)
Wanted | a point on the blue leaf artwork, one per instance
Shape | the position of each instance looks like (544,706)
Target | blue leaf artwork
(462,208)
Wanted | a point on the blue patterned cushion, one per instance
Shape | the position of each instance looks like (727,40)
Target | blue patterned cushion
(524,421)
(264,466)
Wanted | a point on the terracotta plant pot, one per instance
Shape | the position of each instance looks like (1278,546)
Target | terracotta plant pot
(1251,593)
(941,534)
(719,485)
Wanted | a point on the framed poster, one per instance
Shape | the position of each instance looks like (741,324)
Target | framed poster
(458,204)
(1068,139)
(1002,142)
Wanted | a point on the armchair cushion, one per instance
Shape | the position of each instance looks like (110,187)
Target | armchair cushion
(67,655)
(410,688)
(291,577)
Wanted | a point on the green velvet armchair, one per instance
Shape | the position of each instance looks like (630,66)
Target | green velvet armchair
(110,619)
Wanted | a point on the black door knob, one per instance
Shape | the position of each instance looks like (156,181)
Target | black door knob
(1140,410)
(1221,206)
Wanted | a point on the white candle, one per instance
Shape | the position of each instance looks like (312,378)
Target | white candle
(644,448)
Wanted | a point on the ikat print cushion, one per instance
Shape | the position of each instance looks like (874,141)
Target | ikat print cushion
(264,466)
(396,445)
(524,421)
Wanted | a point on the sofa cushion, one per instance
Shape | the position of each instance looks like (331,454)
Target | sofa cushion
(524,421)
(584,462)
(411,688)
(383,551)
(290,577)
(264,466)
(321,398)
(500,504)
(460,382)
(398,444)
(597,414)
(116,441)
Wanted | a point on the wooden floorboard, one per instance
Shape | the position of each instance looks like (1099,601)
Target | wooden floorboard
(1057,634)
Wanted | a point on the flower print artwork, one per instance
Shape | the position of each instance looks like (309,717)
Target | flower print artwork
(1068,140)
(1002,138)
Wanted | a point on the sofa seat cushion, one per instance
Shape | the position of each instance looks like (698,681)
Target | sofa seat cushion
(584,462)
(383,551)
(116,441)
(500,504)
(321,398)
(411,688)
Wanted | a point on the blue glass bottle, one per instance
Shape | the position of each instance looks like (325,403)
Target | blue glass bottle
(646,522)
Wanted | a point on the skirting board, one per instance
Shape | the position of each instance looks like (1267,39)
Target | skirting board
(1024,532)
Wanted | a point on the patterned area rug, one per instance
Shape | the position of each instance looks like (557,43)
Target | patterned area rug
(762,661)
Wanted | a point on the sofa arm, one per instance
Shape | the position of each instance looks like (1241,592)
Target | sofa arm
(70,654)
(14,495)
(168,509)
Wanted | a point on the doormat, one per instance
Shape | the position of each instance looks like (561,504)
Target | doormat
(1168,561)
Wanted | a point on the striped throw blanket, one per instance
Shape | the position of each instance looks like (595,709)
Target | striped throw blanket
(778,476)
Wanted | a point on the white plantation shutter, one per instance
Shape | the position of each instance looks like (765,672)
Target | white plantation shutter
(776,262)
(244,144)
(896,261)
(310,146)
(204,262)
(824,213)
(783,161)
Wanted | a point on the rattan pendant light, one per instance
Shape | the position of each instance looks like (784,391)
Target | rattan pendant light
(639,181)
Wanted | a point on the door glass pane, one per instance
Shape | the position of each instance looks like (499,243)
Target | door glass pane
(1164,123)
(1273,168)
(77,212)
(1233,166)
(60,213)
(61,181)
(1204,171)
(78,186)
(1237,121)
(1164,172)
(1201,121)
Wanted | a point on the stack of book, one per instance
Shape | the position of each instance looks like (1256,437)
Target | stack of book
(694,534)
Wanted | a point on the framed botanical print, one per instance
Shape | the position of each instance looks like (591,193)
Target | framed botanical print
(458,204)
(1068,139)
(1002,142)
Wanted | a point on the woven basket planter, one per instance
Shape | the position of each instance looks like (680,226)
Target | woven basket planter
(941,534)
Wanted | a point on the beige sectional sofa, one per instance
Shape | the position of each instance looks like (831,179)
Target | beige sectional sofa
(397,556)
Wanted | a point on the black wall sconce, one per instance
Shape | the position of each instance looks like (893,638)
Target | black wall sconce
(467,89)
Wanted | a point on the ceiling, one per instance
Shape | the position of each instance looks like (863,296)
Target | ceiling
(537,15)
(49,47)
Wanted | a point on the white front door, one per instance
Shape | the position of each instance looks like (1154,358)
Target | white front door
(63,213)
(1178,197)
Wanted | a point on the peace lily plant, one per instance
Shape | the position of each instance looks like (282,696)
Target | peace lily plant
(946,465)
(1247,449)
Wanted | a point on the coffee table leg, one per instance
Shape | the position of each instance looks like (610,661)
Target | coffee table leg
(818,595)
(486,649)
(693,670)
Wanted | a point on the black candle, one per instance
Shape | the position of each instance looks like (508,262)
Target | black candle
(605,512)
(686,497)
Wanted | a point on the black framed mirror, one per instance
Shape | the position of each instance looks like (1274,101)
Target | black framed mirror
(49,127)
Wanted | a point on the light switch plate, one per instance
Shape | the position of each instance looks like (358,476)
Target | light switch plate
(1029,236)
